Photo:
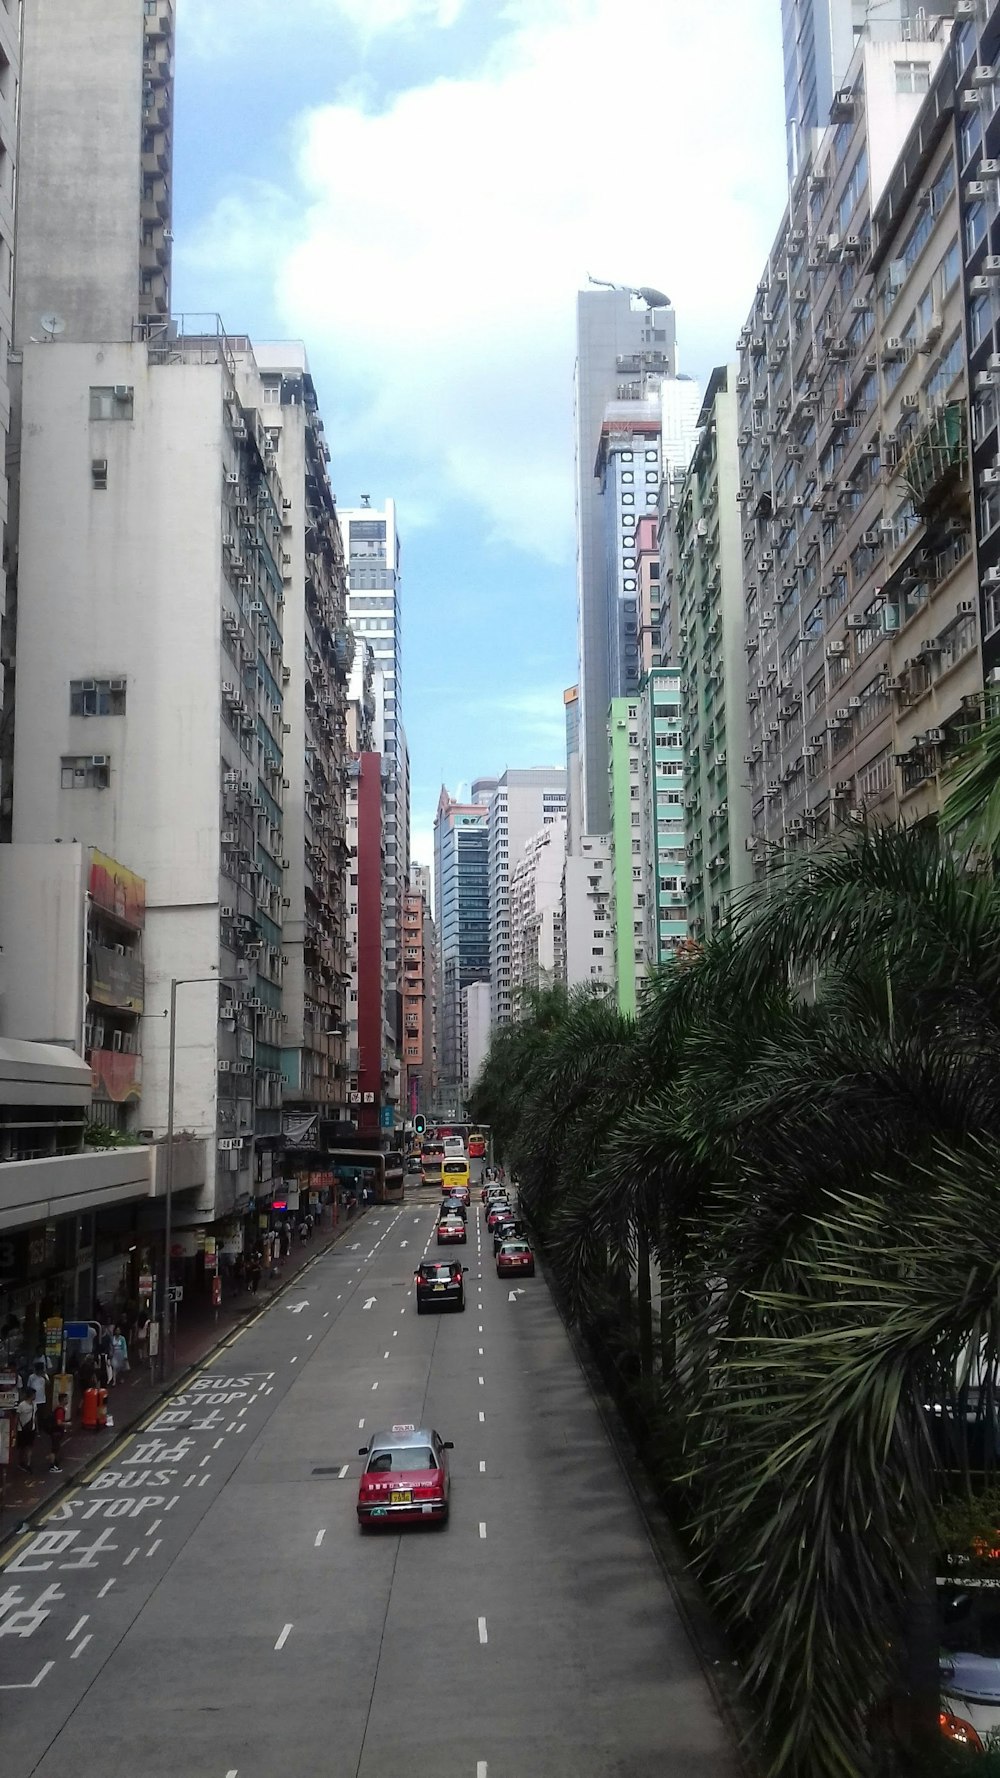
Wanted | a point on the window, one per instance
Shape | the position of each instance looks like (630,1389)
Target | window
(114,402)
(975,227)
(99,473)
(97,697)
(84,771)
(913,77)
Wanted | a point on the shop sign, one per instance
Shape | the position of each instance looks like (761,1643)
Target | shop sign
(8,1389)
(211,1256)
(53,1337)
(145,1283)
(300,1128)
(264,1220)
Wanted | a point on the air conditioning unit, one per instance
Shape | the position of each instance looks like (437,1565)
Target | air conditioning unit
(795,826)
(989,169)
(857,623)
(228,689)
(991,576)
(720,759)
(229,836)
(225,913)
(910,403)
(223,1065)
(893,348)
(991,265)
(854,703)
(844,788)
(810,752)
(842,713)
(835,648)
(935,737)
(976,188)
(983,74)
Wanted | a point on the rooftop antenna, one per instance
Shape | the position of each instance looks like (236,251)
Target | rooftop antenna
(52,325)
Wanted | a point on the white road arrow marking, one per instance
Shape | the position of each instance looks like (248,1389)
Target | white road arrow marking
(512,1295)
(354,1246)
(297,1308)
(369,1301)
(404,1243)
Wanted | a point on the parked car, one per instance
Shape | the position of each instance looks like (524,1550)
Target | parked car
(515,1257)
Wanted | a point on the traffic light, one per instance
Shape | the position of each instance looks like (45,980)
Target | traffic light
(419,1124)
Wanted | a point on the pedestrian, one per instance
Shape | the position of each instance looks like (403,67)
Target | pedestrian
(142,1334)
(56,1429)
(303,1232)
(238,1276)
(283,1242)
(255,1265)
(119,1353)
(38,1384)
(24,1437)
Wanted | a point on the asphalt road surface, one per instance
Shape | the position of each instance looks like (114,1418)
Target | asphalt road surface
(207,1607)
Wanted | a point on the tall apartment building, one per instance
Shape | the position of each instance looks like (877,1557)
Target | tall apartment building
(151,716)
(375,614)
(662,896)
(462,908)
(588,915)
(623,340)
(818,40)
(415,1008)
(318,659)
(476,1029)
(537,934)
(628,853)
(708,588)
(370,1064)
(861,599)
(524,801)
(628,474)
(422,1069)
(94,167)
(976,52)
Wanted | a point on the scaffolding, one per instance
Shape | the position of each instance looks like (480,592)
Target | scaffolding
(937,459)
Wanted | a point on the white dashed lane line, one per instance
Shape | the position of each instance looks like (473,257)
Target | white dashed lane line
(283,1638)
(482,1527)
(483,1637)
(318,1539)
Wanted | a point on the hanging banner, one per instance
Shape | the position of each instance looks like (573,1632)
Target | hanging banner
(117,889)
(300,1128)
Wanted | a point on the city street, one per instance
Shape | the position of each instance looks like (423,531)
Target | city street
(207,1605)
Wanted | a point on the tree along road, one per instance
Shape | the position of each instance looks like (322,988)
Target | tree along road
(206,1606)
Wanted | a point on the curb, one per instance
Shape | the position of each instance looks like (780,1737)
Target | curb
(713,1655)
(164,1390)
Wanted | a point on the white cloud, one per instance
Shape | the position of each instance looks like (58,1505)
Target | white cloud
(440,240)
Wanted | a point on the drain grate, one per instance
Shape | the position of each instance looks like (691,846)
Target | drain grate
(330,1469)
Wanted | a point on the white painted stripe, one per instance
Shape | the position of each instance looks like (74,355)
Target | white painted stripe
(481,1770)
(283,1638)
(308,1338)
(395,1333)
(482,1465)
(232,1773)
(242,1426)
(482,1527)
(154,1547)
(214,1447)
(132,1557)
(191,1478)
(106,1587)
(325,1314)
(78,1650)
(482,1417)
(151,1528)
(294,1360)
(205,1478)
(77,1627)
(172,1502)
(375,1384)
(241,1411)
(480,1351)
(343,1472)
(318,1539)
(482,1630)
(482,1382)
(204,1461)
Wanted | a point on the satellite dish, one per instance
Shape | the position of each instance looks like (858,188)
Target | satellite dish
(52,325)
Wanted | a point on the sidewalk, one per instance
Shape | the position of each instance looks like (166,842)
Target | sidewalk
(195,1339)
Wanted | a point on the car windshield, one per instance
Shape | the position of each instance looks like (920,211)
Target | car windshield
(437,1273)
(403,1457)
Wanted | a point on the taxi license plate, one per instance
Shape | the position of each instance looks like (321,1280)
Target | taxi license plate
(439,1287)
(400,1497)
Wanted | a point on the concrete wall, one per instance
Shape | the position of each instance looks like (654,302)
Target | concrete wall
(67,1185)
(42,967)
(79,182)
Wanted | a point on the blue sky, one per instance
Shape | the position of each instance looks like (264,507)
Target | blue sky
(417,188)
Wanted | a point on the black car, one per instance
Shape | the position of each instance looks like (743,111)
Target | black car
(454,1207)
(440,1283)
(510,1229)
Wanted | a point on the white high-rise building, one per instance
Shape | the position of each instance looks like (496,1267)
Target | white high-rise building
(536,911)
(475,1010)
(818,40)
(151,720)
(523,802)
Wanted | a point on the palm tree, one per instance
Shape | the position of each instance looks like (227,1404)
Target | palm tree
(972,810)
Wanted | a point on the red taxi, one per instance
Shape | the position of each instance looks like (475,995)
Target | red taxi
(405,1478)
(515,1256)
(451,1229)
(498,1210)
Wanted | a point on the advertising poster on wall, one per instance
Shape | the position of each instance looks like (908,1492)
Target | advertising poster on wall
(117,889)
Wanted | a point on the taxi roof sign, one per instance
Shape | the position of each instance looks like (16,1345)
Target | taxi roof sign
(409,1428)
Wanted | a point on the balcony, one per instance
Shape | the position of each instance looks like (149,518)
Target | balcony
(936,461)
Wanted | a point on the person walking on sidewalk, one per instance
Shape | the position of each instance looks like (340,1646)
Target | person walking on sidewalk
(119,1354)
(254,1273)
(57,1432)
(24,1437)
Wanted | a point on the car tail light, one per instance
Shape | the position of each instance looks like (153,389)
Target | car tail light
(955,1728)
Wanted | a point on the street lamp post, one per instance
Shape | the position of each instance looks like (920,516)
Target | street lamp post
(180,981)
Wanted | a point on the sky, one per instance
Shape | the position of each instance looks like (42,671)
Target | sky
(417,189)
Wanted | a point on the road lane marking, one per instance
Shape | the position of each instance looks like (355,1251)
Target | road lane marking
(308,1337)
(190,1479)
(132,1557)
(241,1427)
(207,1459)
(482,1382)
(360,1425)
(480,1349)
(31,1685)
(151,1528)
(318,1539)
(482,1465)
(395,1333)
(232,1773)
(375,1384)
(482,1527)
(482,1417)
(343,1471)
(78,1650)
(482,1630)
(77,1627)
(154,1547)
(325,1313)
(283,1638)
(214,1447)
(294,1360)
(385,1355)
(205,1478)
(481,1770)
(106,1587)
